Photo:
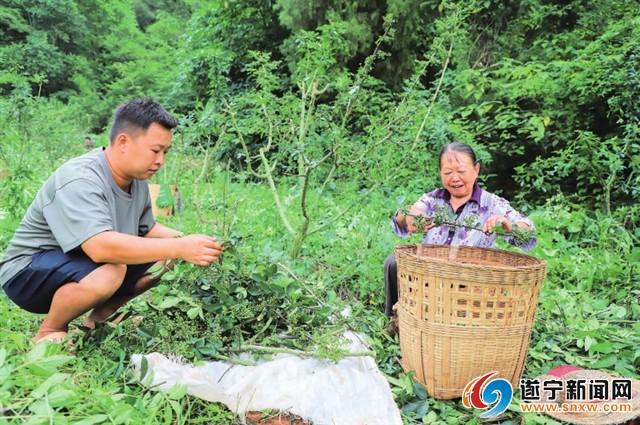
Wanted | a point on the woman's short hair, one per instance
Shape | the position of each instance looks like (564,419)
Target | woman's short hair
(457,147)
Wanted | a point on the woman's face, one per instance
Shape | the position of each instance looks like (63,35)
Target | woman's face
(458,174)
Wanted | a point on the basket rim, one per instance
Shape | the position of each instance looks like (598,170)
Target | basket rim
(538,263)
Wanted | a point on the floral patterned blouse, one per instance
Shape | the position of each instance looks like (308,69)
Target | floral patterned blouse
(474,213)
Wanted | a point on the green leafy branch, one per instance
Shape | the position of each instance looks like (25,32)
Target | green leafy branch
(447,218)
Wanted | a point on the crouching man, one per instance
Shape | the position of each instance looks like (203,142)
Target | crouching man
(89,237)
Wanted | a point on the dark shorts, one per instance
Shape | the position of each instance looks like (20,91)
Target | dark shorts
(33,287)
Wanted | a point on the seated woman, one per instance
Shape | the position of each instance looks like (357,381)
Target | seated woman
(462,196)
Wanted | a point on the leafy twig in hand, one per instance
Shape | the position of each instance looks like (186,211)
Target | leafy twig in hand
(518,234)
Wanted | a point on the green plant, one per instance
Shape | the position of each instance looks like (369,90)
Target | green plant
(314,146)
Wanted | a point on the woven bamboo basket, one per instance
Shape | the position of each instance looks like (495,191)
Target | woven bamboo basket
(463,312)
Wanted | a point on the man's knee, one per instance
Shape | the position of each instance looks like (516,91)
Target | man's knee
(117,271)
(156,271)
(154,275)
(106,279)
(167,265)
(145,283)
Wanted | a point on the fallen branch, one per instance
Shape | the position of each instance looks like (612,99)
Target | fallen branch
(300,353)
(233,360)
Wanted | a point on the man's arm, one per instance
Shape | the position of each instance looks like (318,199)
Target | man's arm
(120,248)
(160,231)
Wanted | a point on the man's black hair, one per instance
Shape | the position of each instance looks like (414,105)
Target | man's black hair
(139,114)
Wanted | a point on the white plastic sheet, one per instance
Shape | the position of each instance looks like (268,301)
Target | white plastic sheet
(349,392)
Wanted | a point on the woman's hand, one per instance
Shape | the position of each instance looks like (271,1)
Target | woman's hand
(411,218)
(493,221)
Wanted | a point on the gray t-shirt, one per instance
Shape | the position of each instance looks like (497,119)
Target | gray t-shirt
(78,201)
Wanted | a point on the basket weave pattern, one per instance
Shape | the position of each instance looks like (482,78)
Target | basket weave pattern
(465,311)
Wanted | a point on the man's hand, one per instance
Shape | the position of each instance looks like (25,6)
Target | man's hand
(200,250)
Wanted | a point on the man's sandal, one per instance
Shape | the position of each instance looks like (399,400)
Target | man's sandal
(115,319)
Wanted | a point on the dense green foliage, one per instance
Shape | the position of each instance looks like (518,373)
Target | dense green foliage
(303,126)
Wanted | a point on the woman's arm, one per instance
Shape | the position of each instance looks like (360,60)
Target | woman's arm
(403,225)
